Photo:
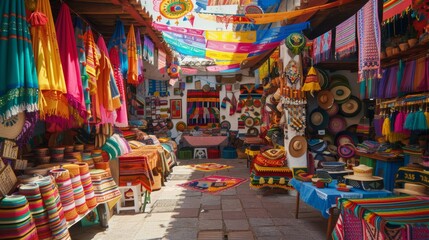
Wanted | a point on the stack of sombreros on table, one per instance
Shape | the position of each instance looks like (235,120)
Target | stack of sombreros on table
(363,178)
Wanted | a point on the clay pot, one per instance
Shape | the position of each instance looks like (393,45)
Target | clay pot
(395,50)
(383,55)
(389,51)
(412,42)
(403,47)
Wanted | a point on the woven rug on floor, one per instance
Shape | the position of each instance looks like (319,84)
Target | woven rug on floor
(209,167)
(213,184)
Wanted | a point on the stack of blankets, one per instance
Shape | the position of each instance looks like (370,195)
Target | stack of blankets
(269,169)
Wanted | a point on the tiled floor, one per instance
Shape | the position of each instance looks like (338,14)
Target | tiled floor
(238,213)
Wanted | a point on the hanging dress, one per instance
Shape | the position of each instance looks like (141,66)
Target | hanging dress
(132,57)
(122,117)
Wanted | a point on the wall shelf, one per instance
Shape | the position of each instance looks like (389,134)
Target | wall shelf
(418,51)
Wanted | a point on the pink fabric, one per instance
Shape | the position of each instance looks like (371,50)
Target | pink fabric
(70,61)
(166,28)
(240,47)
(399,122)
(197,141)
(222,68)
(122,117)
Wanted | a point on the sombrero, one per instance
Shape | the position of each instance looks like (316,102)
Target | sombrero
(206,88)
(338,78)
(317,145)
(346,150)
(10,128)
(412,189)
(337,124)
(344,137)
(329,138)
(319,119)
(325,99)
(295,42)
(323,78)
(297,146)
(341,91)
(253,132)
(180,126)
(225,125)
(351,107)
(332,149)
(362,173)
(333,110)
(249,122)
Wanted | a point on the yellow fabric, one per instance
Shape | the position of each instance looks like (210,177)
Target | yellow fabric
(52,85)
(251,153)
(311,87)
(103,84)
(427,117)
(93,68)
(226,63)
(229,36)
(271,169)
(385,130)
(132,57)
(227,56)
(280,16)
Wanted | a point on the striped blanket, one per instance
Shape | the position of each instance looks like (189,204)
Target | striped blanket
(398,218)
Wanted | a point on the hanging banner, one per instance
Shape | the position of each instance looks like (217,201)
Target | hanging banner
(279,33)
(166,28)
(195,41)
(322,47)
(394,7)
(189,71)
(222,68)
(185,49)
(228,36)
(148,50)
(216,55)
(240,47)
(162,61)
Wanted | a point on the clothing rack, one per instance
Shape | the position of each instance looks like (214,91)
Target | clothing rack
(409,100)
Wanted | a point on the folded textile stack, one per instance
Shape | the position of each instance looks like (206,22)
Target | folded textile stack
(413,150)
(368,146)
(269,170)
(105,188)
(135,169)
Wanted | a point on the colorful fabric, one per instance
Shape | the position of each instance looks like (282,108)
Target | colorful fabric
(135,169)
(92,66)
(140,68)
(78,191)
(322,47)
(80,44)
(148,50)
(65,189)
(387,218)
(394,7)
(119,42)
(274,181)
(18,76)
(209,167)
(122,115)
(369,48)
(412,175)
(202,107)
(158,87)
(345,38)
(105,188)
(132,57)
(266,162)
(71,68)
(53,106)
(213,184)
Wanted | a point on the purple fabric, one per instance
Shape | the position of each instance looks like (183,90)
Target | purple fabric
(378,124)
(31,119)
(408,77)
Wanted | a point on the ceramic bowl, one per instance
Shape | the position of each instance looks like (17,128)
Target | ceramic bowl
(41,151)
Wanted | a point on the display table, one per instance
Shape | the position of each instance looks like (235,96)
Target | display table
(325,199)
(402,218)
(204,141)
(385,167)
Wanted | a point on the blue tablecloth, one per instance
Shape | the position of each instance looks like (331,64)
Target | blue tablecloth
(325,198)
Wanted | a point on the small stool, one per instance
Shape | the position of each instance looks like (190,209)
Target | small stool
(229,153)
(213,153)
(200,153)
(126,197)
(185,153)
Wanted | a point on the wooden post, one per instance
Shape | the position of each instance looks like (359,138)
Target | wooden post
(297,205)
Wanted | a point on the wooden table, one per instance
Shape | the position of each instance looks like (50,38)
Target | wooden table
(325,199)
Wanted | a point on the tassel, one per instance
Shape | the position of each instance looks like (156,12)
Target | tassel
(261,180)
(282,181)
(38,19)
(311,83)
(270,180)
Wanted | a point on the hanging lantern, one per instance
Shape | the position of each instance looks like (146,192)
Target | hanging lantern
(311,83)
(295,42)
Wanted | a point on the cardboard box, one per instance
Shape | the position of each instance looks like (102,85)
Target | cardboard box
(8,180)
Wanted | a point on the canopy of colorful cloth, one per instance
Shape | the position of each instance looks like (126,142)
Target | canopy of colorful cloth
(53,104)
(18,77)
(383,218)
(71,68)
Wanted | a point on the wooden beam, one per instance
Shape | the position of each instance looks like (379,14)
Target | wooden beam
(96,8)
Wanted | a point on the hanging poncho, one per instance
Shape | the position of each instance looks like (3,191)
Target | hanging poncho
(18,77)
(92,68)
(122,117)
(80,43)
(132,57)
(119,41)
(53,104)
(71,68)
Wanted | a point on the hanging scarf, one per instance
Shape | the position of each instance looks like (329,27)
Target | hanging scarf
(92,68)
(407,81)
(345,38)
(119,41)
(233,105)
(18,76)
(140,56)
(122,117)
(420,83)
(79,36)
(369,47)
(386,128)
(53,104)
(132,57)
(71,69)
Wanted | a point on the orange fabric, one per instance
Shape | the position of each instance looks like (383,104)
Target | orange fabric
(132,57)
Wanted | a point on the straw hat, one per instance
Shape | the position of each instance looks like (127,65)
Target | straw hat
(10,128)
(344,137)
(325,99)
(341,91)
(337,124)
(297,146)
(333,110)
(412,189)
(319,119)
(362,173)
(346,150)
(351,107)
(323,78)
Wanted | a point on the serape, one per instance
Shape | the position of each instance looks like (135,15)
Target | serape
(345,38)
(384,218)
(18,76)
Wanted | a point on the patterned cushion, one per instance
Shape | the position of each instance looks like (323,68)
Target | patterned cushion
(274,154)
(261,160)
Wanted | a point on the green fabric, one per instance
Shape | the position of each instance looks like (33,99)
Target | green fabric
(18,77)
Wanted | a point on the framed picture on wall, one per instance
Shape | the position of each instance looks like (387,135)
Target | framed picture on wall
(177,91)
(176,108)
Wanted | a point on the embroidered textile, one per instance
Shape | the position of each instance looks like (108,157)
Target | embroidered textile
(345,38)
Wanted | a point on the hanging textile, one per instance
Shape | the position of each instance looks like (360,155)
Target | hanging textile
(202,107)
(132,57)
(158,88)
(140,67)
(80,43)
(18,76)
(345,38)
(53,106)
(148,50)
(71,69)
(322,47)
(122,116)
(394,7)
(119,41)
(162,61)
(369,48)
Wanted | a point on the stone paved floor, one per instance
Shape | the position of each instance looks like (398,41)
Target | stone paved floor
(238,213)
